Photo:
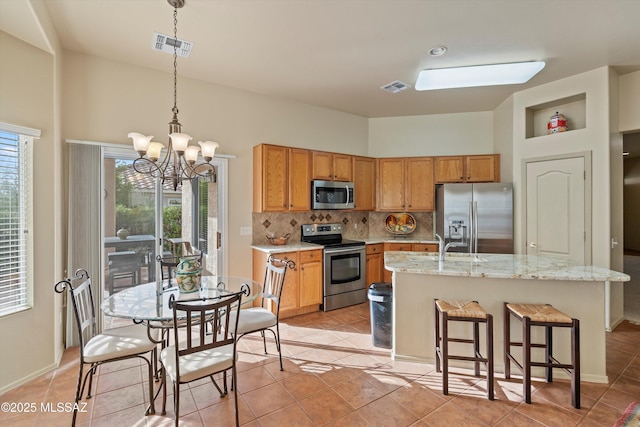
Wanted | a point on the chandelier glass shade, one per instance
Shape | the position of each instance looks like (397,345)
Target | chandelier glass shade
(180,160)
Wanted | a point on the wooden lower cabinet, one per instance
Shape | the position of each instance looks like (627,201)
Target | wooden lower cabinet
(414,247)
(424,247)
(375,263)
(302,291)
(310,279)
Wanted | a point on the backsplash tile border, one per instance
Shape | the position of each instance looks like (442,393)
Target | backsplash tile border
(356,225)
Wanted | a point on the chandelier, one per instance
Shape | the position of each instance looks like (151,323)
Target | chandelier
(180,161)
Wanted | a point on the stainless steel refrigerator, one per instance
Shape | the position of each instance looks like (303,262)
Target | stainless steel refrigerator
(476,218)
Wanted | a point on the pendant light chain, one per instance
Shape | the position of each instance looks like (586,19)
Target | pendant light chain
(175,60)
(180,160)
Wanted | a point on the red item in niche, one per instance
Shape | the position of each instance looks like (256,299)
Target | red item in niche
(557,123)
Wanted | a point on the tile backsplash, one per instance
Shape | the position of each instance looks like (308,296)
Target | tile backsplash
(357,225)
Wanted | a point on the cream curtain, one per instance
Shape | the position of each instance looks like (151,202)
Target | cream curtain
(84,227)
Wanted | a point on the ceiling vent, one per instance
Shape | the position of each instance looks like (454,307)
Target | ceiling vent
(165,43)
(395,87)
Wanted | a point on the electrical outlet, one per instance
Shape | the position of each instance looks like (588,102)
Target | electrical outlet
(246,231)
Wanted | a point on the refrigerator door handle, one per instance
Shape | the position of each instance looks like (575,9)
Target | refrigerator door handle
(475,227)
(472,228)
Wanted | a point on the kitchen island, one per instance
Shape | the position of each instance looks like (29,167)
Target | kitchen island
(492,279)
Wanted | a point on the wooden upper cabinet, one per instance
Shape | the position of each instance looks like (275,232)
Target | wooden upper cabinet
(405,184)
(281,177)
(391,184)
(332,166)
(364,183)
(484,168)
(299,179)
(449,169)
(476,168)
(419,191)
(270,178)
(342,167)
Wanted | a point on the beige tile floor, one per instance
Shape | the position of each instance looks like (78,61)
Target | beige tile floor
(334,376)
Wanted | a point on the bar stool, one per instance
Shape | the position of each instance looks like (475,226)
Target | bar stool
(463,311)
(547,316)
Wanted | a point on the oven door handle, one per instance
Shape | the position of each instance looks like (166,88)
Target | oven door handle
(343,250)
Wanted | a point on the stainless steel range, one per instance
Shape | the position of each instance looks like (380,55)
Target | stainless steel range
(344,281)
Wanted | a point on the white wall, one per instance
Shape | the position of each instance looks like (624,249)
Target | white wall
(616,199)
(629,102)
(503,138)
(433,135)
(104,100)
(27,94)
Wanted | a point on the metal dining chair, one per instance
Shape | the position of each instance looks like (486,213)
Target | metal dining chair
(109,346)
(201,354)
(267,316)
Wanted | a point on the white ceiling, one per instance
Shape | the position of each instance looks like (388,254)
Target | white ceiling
(337,53)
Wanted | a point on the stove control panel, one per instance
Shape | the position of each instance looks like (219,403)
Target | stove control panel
(321,229)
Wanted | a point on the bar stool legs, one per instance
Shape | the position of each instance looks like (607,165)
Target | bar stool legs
(463,311)
(548,317)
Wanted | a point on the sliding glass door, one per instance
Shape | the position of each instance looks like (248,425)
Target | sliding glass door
(144,219)
(131,222)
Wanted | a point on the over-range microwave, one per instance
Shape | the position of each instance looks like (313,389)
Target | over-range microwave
(331,195)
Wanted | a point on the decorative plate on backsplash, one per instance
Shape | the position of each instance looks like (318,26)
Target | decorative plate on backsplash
(401,223)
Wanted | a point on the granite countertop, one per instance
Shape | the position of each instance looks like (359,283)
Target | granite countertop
(303,246)
(396,239)
(289,247)
(501,266)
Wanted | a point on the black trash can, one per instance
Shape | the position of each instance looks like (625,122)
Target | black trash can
(380,302)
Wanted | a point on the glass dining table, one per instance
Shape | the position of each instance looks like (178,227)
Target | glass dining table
(150,302)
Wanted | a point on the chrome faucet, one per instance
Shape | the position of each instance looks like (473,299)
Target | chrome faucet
(442,248)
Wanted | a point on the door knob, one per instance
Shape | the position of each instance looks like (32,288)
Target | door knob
(532,244)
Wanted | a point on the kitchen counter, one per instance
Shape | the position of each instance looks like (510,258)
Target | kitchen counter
(303,246)
(289,247)
(396,239)
(499,266)
(492,280)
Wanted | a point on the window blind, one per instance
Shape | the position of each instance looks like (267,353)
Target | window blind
(15,222)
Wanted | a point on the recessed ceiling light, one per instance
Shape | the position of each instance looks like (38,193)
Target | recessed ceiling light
(438,51)
(478,75)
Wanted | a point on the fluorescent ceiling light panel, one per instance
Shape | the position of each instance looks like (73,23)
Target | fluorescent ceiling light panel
(478,75)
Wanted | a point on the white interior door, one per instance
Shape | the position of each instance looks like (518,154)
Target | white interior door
(556,208)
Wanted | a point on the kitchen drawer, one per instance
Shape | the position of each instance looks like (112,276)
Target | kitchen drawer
(397,247)
(310,256)
(374,249)
(424,247)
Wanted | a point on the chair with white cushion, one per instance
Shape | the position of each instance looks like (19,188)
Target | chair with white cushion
(109,346)
(263,318)
(201,354)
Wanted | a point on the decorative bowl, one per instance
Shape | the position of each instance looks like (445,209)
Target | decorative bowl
(401,223)
(278,241)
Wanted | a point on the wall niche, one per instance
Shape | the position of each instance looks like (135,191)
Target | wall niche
(574,109)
